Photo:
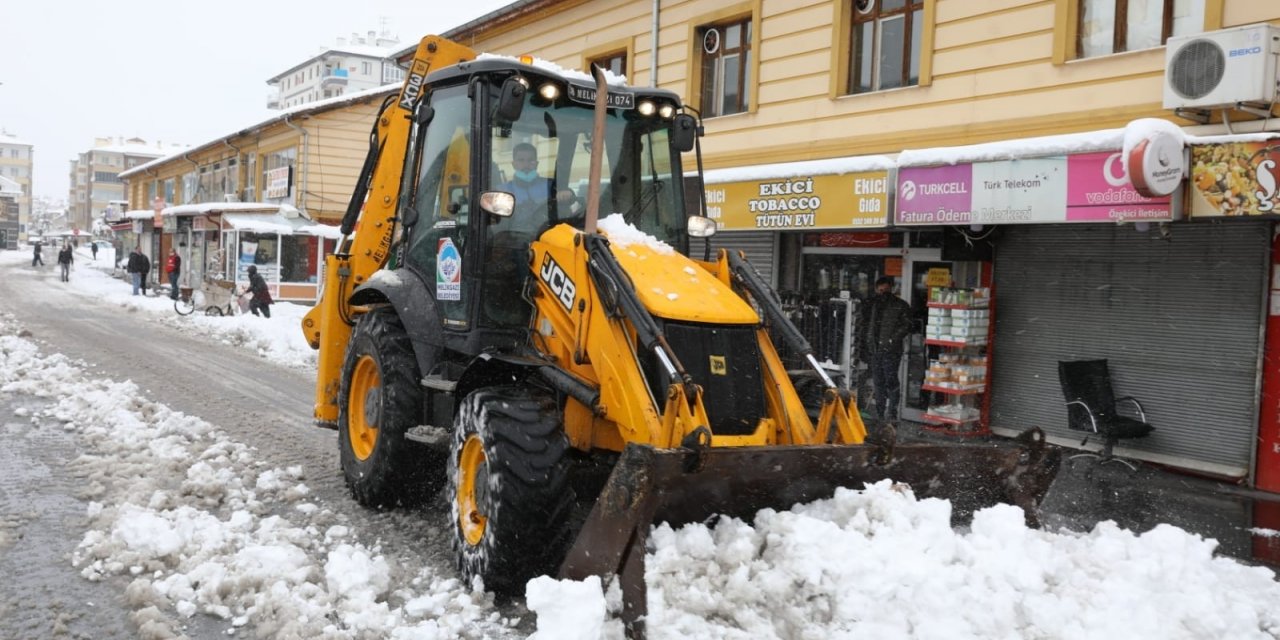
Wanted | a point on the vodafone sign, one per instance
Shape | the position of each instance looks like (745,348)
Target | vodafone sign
(1156,165)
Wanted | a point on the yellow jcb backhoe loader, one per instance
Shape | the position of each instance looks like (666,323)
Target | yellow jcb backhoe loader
(478,331)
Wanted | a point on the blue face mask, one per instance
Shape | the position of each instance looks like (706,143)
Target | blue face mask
(527,176)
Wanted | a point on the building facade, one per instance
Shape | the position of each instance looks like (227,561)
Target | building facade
(95,176)
(17,157)
(362,63)
(885,109)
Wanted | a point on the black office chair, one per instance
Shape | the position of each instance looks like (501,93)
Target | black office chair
(1091,406)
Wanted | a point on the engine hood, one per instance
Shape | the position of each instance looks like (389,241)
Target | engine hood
(673,287)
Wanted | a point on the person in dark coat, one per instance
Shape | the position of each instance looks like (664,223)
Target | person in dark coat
(261,300)
(886,321)
(144,264)
(93,247)
(64,262)
(134,268)
(36,258)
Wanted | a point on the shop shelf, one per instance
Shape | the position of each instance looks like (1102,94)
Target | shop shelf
(978,342)
(971,390)
(937,419)
(939,305)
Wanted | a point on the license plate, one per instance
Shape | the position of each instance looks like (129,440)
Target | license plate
(587,95)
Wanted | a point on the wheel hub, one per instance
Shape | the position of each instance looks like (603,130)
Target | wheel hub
(363,401)
(473,490)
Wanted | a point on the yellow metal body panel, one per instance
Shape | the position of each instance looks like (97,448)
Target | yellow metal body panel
(572,326)
(326,327)
(673,286)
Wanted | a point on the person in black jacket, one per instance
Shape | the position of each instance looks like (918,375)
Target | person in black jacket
(261,300)
(134,268)
(144,267)
(886,321)
(64,261)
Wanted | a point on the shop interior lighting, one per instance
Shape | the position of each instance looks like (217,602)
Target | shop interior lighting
(975,228)
(549,91)
(646,108)
(1142,226)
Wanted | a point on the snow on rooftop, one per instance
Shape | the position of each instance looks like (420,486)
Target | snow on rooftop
(829,166)
(9,138)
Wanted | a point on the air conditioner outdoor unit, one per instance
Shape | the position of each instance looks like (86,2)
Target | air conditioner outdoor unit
(1222,69)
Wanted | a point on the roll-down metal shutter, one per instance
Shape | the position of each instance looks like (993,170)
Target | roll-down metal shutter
(1178,319)
(758,245)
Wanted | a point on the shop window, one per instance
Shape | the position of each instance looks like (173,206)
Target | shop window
(726,67)
(885,39)
(250,177)
(189,183)
(262,250)
(277,173)
(1114,26)
(298,258)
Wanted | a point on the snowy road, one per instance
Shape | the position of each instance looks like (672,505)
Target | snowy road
(251,401)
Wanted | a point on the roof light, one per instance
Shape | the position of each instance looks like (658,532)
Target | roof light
(549,91)
(646,108)
(666,111)
(526,59)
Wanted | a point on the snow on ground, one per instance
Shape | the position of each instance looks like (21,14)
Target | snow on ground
(278,338)
(203,528)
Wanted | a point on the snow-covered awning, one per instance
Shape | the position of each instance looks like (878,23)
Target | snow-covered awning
(278,223)
(207,208)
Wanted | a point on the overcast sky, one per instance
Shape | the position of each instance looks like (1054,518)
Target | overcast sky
(171,71)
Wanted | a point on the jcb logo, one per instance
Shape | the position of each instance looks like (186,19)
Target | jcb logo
(560,284)
(718,366)
(411,92)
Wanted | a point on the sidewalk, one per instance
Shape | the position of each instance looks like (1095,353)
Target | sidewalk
(1245,522)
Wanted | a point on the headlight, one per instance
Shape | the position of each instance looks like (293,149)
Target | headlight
(701,227)
(666,111)
(646,108)
(549,91)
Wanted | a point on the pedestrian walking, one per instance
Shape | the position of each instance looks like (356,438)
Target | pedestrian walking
(134,268)
(886,323)
(93,248)
(173,267)
(36,259)
(261,300)
(64,262)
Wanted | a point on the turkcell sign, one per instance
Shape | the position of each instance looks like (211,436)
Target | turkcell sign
(614,100)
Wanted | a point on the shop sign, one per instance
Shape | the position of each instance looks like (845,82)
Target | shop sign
(157,205)
(1235,179)
(852,200)
(201,223)
(937,277)
(1090,187)
(277,183)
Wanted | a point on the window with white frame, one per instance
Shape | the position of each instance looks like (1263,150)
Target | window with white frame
(1115,26)
(726,67)
(366,68)
(884,44)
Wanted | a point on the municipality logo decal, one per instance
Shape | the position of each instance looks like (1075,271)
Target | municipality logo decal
(908,190)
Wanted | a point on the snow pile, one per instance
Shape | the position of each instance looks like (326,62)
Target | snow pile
(622,235)
(880,564)
(202,528)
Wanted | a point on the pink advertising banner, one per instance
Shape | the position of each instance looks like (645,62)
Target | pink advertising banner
(1090,187)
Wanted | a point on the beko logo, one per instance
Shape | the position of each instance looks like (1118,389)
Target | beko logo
(1247,51)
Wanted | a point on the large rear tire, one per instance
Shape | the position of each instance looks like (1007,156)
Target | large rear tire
(508,487)
(380,400)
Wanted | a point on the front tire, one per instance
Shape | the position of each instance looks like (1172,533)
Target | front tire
(508,487)
(380,400)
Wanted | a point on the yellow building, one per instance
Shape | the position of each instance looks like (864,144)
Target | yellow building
(298,168)
(864,106)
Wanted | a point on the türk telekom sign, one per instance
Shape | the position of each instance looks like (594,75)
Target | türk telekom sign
(1089,187)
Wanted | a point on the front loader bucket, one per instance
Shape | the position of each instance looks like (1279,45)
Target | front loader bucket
(680,486)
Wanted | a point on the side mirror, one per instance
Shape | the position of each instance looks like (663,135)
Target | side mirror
(701,227)
(511,101)
(684,131)
(425,113)
(499,203)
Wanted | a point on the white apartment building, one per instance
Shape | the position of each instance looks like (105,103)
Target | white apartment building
(95,175)
(364,62)
(16,160)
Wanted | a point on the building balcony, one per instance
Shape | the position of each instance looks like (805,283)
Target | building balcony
(333,78)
